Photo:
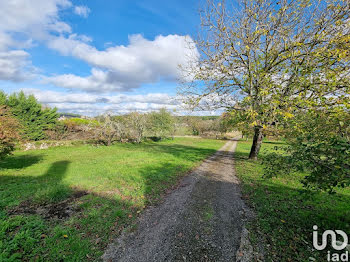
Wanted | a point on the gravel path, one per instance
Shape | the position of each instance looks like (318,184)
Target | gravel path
(202,220)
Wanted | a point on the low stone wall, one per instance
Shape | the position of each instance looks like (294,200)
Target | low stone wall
(43,145)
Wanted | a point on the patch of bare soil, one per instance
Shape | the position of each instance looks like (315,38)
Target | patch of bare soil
(50,211)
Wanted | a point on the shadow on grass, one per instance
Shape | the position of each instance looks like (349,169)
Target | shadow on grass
(33,206)
(18,162)
(210,208)
(34,212)
(286,216)
(158,181)
(41,189)
(286,212)
(181,151)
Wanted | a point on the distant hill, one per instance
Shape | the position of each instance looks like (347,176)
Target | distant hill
(69,115)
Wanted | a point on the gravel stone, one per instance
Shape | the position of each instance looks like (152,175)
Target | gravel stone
(202,220)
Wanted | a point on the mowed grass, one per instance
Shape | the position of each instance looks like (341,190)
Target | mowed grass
(285,213)
(97,190)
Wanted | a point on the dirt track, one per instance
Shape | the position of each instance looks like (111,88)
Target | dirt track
(202,220)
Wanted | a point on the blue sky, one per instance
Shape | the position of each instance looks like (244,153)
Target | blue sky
(91,56)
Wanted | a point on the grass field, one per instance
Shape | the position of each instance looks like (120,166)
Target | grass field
(285,212)
(67,203)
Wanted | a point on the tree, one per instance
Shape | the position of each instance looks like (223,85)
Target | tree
(236,120)
(8,132)
(318,144)
(194,124)
(34,119)
(268,59)
(109,130)
(137,124)
(160,123)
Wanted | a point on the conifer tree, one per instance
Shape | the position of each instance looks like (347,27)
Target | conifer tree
(33,118)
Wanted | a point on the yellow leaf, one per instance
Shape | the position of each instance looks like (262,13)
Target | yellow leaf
(288,115)
(65,236)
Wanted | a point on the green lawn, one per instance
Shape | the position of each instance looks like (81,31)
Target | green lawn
(67,203)
(285,212)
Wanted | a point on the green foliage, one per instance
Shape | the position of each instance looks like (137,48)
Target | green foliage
(160,123)
(285,211)
(136,125)
(110,129)
(237,120)
(119,181)
(205,125)
(8,132)
(32,116)
(70,115)
(326,162)
(19,237)
(80,122)
(269,60)
(321,149)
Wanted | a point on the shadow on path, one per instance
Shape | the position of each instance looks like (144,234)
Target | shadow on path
(199,221)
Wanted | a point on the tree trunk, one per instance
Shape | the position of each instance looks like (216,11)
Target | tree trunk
(257,140)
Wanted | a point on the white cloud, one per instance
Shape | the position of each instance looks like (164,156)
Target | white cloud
(126,67)
(82,10)
(98,81)
(118,68)
(22,24)
(95,109)
(5,41)
(32,16)
(21,21)
(48,96)
(15,66)
(94,104)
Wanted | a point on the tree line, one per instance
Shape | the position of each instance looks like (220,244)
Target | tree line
(24,119)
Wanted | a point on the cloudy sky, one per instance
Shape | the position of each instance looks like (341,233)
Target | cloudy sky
(92,56)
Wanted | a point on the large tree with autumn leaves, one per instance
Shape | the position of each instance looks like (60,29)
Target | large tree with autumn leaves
(268,60)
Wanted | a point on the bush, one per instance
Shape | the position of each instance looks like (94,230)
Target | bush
(81,122)
(109,130)
(73,129)
(33,117)
(160,124)
(321,148)
(8,132)
(326,162)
